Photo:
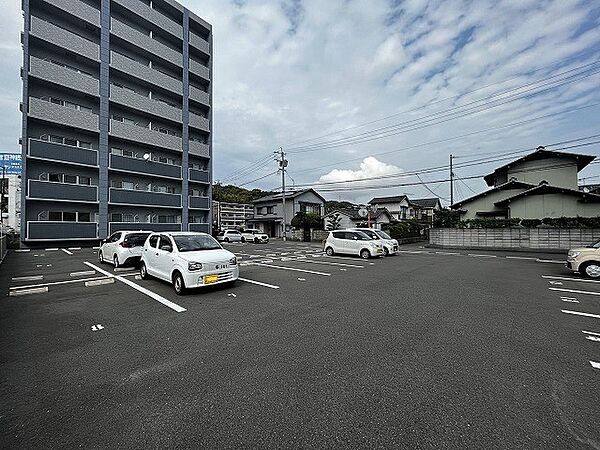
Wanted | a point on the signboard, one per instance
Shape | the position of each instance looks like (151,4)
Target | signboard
(10,163)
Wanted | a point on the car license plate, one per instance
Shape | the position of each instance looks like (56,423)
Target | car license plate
(208,279)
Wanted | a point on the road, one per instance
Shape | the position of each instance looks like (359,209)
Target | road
(426,349)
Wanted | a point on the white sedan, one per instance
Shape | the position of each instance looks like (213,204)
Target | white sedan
(188,260)
(256,236)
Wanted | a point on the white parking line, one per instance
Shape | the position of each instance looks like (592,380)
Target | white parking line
(74,248)
(293,269)
(28,291)
(578,313)
(554,261)
(21,250)
(52,249)
(95,248)
(581,280)
(574,291)
(447,253)
(590,332)
(28,278)
(569,300)
(83,273)
(66,251)
(260,283)
(328,263)
(476,255)
(521,257)
(595,365)
(124,269)
(141,289)
(100,282)
(53,283)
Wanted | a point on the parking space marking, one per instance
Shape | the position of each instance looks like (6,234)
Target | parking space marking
(579,313)
(554,261)
(293,269)
(569,300)
(54,283)
(590,332)
(124,269)
(23,250)
(447,253)
(581,280)
(477,255)
(595,365)
(38,290)
(574,291)
(82,273)
(593,338)
(260,283)
(100,282)
(328,263)
(28,278)
(521,257)
(143,290)
(74,248)
(66,251)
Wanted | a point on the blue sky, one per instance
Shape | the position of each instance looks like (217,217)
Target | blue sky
(287,71)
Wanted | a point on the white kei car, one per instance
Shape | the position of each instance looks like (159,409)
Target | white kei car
(122,247)
(353,243)
(230,236)
(187,260)
(254,235)
(390,246)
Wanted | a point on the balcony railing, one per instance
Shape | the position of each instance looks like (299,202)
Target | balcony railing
(142,72)
(143,226)
(199,95)
(199,203)
(79,9)
(201,176)
(46,190)
(135,165)
(144,135)
(199,149)
(49,32)
(199,69)
(61,152)
(199,43)
(63,115)
(202,123)
(153,16)
(38,230)
(146,198)
(131,99)
(199,227)
(54,73)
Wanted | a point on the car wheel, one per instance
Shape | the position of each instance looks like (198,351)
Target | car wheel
(386,251)
(256,240)
(226,240)
(178,284)
(365,254)
(116,261)
(143,271)
(591,269)
(243,240)
(100,257)
(329,251)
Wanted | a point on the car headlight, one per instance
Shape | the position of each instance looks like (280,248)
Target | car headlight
(194,266)
(573,254)
(233,261)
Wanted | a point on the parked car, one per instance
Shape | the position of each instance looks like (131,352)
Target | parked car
(352,242)
(122,247)
(230,236)
(254,235)
(187,260)
(585,260)
(390,246)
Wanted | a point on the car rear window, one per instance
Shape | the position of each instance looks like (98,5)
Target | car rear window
(137,239)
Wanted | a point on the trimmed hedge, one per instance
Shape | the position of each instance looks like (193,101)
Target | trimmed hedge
(558,222)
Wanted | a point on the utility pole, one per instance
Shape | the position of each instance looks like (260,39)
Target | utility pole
(282,165)
(451,182)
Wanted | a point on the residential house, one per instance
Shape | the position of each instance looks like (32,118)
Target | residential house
(268,211)
(402,208)
(538,185)
(424,209)
(350,218)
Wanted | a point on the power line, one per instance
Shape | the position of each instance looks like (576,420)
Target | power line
(257,179)
(256,165)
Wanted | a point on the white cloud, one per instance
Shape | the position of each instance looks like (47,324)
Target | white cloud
(370,167)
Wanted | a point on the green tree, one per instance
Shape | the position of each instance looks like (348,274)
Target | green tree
(333,222)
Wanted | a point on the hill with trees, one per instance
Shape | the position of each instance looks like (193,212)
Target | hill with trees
(235,194)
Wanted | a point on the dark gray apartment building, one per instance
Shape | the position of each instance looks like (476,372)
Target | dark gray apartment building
(116,118)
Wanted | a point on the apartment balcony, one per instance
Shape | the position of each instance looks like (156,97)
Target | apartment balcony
(79,9)
(63,115)
(153,16)
(199,43)
(145,198)
(131,99)
(48,71)
(38,230)
(141,166)
(199,149)
(199,69)
(145,42)
(58,36)
(61,152)
(201,176)
(143,226)
(144,135)
(142,72)
(199,227)
(199,203)
(46,190)
(200,96)
(199,122)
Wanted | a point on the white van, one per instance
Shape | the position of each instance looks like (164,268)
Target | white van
(352,242)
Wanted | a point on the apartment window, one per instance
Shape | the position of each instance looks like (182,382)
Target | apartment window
(195,193)
(85,180)
(69,216)
(116,217)
(56,139)
(127,185)
(71,179)
(55,177)
(55,216)
(127,217)
(70,141)
(84,217)
(85,144)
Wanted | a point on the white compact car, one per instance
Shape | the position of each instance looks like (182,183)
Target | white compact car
(230,236)
(352,242)
(256,236)
(122,247)
(390,246)
(187,260)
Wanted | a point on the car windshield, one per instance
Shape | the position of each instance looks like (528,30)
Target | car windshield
(383,234)
(195,242)
(595,244)
(370,233)
(137,239)
(363,236)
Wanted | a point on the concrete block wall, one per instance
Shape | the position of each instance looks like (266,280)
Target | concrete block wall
(514,238)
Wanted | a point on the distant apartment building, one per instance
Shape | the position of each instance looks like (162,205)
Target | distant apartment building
(11,201)
(116,118)
(232,215)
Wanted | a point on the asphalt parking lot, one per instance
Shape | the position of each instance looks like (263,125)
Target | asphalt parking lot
(426,349)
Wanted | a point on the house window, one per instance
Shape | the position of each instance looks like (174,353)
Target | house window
(269,209)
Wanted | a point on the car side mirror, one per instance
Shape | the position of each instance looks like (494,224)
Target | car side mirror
(166,248)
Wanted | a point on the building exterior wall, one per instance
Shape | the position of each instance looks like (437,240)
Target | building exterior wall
(486,203)
(292,207)
(112,77)
(559,172)
(552,205)
(232,215)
